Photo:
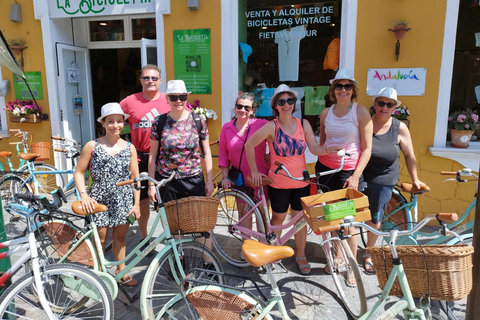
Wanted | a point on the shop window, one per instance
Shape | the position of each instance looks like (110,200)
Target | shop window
(143,28)
(286,42)
(107,30)
(465,92)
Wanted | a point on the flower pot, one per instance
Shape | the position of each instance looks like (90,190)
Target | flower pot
(406,121)
(28,118)
(400,32)
(247,80)
(16,50)
(460,138)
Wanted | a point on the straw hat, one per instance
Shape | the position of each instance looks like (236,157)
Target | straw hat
(281,89)
(176,86)
(344,74)
(388,92)
(112,108)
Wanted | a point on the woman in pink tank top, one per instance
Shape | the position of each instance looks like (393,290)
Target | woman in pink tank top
(287,139)
(347,124)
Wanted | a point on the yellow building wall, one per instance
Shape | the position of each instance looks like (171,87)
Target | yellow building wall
(30,31)
(422,47)
(209,16)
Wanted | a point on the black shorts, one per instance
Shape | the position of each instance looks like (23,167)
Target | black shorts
(334,181)
(143,167)
(181,188)
(280,199)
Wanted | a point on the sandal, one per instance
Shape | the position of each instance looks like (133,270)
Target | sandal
(367,264)
(305,268)
(126,280)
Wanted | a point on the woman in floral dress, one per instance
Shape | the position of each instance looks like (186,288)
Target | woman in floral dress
(110,159)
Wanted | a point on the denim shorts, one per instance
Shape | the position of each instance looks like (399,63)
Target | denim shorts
(378,198)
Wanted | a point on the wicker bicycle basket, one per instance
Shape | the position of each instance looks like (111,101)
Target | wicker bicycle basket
(449,269)
(192,214)
(43,149)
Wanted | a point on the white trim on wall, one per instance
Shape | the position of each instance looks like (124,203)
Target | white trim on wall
(162,7)
(348,33)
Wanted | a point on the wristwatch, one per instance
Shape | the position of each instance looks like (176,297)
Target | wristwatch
(83,191)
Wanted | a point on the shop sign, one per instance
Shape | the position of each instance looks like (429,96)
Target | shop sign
(192,59)
(407,81)
(274,22)
(34,80)
(88,8)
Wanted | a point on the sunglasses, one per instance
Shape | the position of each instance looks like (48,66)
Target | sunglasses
(174,98)
(347,87)
(241,106)
(290,101)
(148,78)
(388,104)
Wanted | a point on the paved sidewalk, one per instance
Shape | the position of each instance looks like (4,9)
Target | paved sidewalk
(316,287)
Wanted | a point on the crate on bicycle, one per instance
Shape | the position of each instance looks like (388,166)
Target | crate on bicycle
(449,275)
(328,209)
(192,214)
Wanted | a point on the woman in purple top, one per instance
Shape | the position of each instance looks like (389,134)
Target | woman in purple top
(233,137)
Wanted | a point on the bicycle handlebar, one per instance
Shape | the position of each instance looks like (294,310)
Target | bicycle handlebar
(465,172)
(144,176)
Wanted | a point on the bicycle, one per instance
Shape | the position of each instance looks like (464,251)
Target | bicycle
(235,297)
(406,304)
(164,274)
(233,227)
(49,291)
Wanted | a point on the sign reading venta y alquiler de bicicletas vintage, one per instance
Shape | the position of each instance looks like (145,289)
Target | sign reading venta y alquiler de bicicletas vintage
(88,8)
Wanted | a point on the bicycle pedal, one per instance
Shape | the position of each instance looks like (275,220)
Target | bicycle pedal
(15,218)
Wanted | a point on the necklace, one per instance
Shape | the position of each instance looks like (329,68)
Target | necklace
(335,106)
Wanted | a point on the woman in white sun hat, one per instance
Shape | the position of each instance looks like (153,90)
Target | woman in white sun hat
(110,159)
(347,124)
(383,170)
(287,139)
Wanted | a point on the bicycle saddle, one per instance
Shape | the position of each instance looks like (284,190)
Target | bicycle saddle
(5,154)
(28,156)
(77,208)
(259,254)
(410,188)
(265,181)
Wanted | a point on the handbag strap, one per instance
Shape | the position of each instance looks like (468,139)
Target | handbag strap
(243,148)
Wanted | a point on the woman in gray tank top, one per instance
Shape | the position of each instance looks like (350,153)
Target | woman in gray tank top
(383,170)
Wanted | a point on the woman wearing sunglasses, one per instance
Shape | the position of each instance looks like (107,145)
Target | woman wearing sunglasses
(347,124)
(287,139)
(179,144)
(383,170)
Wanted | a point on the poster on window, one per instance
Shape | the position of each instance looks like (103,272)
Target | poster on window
(34,80)
(407,81)
(192,59)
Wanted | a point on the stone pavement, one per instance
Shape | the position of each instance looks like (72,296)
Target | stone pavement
(317,286)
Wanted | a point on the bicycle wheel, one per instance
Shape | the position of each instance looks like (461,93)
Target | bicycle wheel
(48,182)
(345,273)
(64,285)
(164,282)
(15,224)
(226,239)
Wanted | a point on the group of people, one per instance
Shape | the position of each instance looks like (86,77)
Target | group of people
(164,131)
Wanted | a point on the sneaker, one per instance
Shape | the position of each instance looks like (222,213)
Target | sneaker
(150,254)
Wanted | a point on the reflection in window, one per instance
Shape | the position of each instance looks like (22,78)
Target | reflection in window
(111,30)
(143,28)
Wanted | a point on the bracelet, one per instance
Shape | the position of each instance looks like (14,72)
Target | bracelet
(226,178)
(151,185)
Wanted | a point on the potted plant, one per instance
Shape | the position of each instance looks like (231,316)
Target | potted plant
(400,28)
(23,111)
(16,45)
(462,126)
(207,113)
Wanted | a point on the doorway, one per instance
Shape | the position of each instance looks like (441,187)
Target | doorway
(115,75)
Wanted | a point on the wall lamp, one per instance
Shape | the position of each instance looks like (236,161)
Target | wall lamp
(15,13)
(400,29)
(193,5)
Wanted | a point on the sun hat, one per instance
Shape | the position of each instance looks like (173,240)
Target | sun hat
(281,89)
(112,108)
(344,74)
(176,86)
(388,92)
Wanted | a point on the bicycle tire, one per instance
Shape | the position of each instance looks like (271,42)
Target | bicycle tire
(454,310)
(48,182)
(226,241)
(343,267)
(15,224)
(19,301)
(162,285)
(400,219)
(182,309)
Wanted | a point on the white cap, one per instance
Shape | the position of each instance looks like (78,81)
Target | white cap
(388,92)
(281,89)
(176,86)
(344,74)
(112,108)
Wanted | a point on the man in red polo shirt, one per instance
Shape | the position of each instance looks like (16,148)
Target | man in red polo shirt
(143,107)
